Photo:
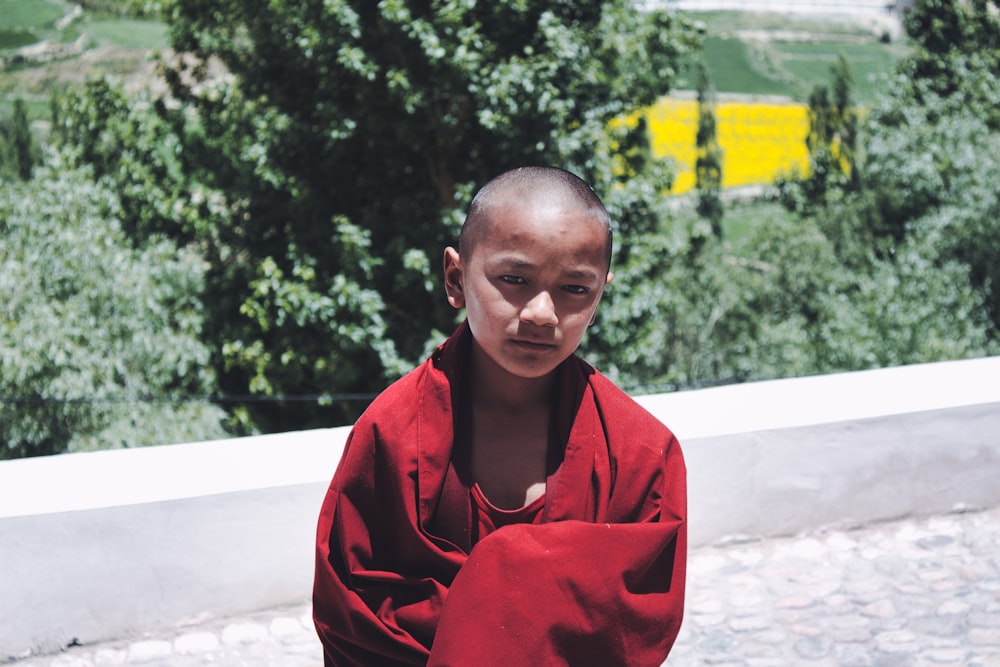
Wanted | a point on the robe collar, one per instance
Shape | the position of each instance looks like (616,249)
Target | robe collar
(445,510)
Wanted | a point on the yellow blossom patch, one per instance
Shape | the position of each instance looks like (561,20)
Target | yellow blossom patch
(759,140)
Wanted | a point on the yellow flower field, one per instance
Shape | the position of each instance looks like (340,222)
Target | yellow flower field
(759,140)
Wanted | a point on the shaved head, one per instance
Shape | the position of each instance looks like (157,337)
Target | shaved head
(530,186)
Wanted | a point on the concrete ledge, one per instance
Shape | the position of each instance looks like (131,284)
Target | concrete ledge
(75,482)
(780,457)
(843,474)
(110,544)
(82,577)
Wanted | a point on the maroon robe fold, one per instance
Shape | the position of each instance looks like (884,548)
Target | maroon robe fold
(599,581)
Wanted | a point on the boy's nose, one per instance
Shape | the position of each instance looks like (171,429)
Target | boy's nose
(540,310)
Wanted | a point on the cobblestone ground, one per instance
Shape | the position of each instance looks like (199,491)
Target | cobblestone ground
(910,593)
(913,593)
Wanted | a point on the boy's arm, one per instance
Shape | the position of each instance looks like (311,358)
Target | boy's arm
(574,592)
(366,610)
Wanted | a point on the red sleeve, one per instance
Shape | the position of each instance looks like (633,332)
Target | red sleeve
(567,593)
(574,592)
(379,582)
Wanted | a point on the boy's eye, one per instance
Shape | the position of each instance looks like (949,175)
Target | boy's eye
(512,280)
(576,289)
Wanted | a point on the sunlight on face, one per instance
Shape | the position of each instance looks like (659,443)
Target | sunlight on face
(532,285)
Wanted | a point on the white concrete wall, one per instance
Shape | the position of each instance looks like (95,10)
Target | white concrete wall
(779,457)
(109,544)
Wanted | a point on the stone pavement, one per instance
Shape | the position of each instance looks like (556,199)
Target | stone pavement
(916,593)
(919,592)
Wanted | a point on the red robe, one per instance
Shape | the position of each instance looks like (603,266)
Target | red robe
(600,581)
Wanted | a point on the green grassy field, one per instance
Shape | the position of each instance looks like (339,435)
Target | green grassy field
(812,61)
(114,46)
(31,14)
(747,53)
(719,22)
(128,33)
(740,219)
(24,22)
(742,68)
(13,38)
(775,55)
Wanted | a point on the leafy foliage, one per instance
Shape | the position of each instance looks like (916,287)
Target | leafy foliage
(281,212)
(932,147)
(957,56)
(915,218)
(18,152)
(832,143)
(99,343)
(708,164)
(689,309)
(889,259)
(320,155)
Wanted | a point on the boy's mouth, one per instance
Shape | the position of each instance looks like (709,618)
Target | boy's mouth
(534,344)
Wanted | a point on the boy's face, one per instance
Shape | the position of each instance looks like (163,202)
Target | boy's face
(532,285)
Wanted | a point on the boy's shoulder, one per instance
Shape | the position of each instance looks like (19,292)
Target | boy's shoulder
(609,393)
(398,403)
(424,395)
(625,420)
(429,383)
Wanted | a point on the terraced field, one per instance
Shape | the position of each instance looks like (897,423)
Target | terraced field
(763,66)
(46,45)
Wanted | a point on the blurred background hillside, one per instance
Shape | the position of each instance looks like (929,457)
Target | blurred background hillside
(220,219)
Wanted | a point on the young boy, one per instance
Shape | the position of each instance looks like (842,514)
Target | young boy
(504,503)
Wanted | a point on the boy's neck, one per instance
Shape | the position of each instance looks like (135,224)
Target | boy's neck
(494,388)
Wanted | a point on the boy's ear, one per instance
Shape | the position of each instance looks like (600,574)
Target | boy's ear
(453,278)
(607,281)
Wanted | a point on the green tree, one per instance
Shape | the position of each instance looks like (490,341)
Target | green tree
(708,164)
(956,55)
(929,176)
(340,142)
(832,144)
(99,343)
(916,237)
(820,315)
(781,303)
(17,145)
(931,150)
(23,142)
(672,316)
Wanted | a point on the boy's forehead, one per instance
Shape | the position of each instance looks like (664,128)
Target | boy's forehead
(516,217)
(577,243)
(530,216)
